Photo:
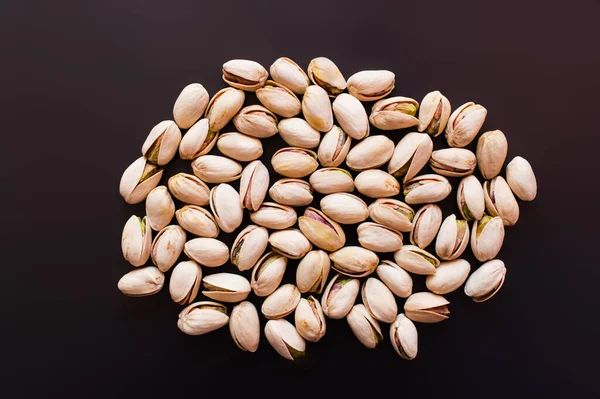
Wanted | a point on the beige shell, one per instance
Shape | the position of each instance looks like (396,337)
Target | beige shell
(224,105)
(364,326)
(226,287)
(321,230)
(453,162)
(464,124)
(142,282)
(416,260)
(370,153)
(521,179)
(375,183)
(410,155)
(208,252)
(312,271)
(470,198)
(282,302)
(197,221)
(202,317)
(268,273)
(492,148)
(316,109)
(289,74)
(354,261)
(394,113)
(189,189)
(244,326)
(162,143)
(448,277)
(339,296)
(249,246)
(403,335)
(198,141)
(352,116)
(487,237)
(434,113)
(309,319)
(324,73)
(216,169)
(279,99)
(190,105)
(244,74)
(426,223)
(396,278)
(500,201)
(167,246)
(292,192)
(290,243)
(379,300)
(426,189)
(226,207)
(240,147)
(138,180)
(274,216)
(426,307)
(294,162)
(256,121)
(331,180)
(379,238)
(344,208)
(136,240)
(284,338)
(452,239)
(485,282)
(334,147)
(392,213)
(298,133)
(185,282)
(254,184)
(371,85)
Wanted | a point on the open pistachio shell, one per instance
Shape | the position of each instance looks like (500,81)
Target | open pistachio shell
(208,252)
(371,85)
(290,243)
(279,99)
(185,282)
(334,147)
(226,287)
(142,282)
(294,162)
(224,105)
(339,296)
(268,273)
(244,74)
(403,335)
(331,180)
(198,141)
(470,198)
(426,223)
(354,261)
(500,201)
(240,147)
(197,221)
(216,169)
(190,105)
(452,239)
(289,74)
(434,113)
(138,180)
(453,162)
(309,319)
(248,247)
(324,73)
(292,192)
(392,213)
(321,230)
(394,113)
(485,282)
(189,189)
(396,278)
(410,155)
(285,339)
(254,184)
(379,238)
(312,271)
(464,124)
(426,189)
(136,240)
(167,247)
(487,237)
(316,108)
(448,277)
(370,153)
(379,300)
(416,260)
(364,326)
(202,317)
(256,121)
(162,142)
(426,307)
(282,302)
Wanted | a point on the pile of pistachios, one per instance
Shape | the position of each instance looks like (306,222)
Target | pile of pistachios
(303,108)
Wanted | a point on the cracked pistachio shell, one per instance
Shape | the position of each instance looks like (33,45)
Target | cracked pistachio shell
(240,147)
(282,302)
(404,337)
(344,208)
(223,106)
(185,282)
(334,147)
(485,282)
(208,252)
(416,260)
(312,271)
(290,243)
(500,201)
(274,216)
(198,141)
(364,326)
(225,204)
(470,198)
(142,282)
(324,73)
(352,116)
(426,224)
(521,179)
(448,277)
(279,99)
(216,169)
(309,319)
(354,261)
(197,221)
(392,213)
(286,72)
(268,273)
(285,339)
(189,189)
(426,307)
(453,162)
(292,192)
(452,239)
(464,124)
(394,113)
(298,133)
(254,184)
(248,247)
(162,143)
(375,183)
(396,278)
(321,230)
(226,287)
(316,108)
(434,113)
(136,240)
(370,153)
(371,85)
(339,296)
(379,300)
(202,317)
(294,162)
(190,105)
(487,237)
(167,247)
(410,155)
(138,180)
(426,189)
(331,180)
(492,148)
(256,121)
(244,326)
(244,74)
(379,238)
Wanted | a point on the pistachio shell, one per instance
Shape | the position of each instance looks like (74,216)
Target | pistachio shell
(289,74)
(162,142)
(189,189)
(316,109)
(324,73)
(253,185)
(268,273)
(225,204)
(426,224)
(410,155)
(452,239)
(198,141)
(464,124)
(371,85)
(364,326)
(370,153)
(136,241)
(448,277)
(185,282)
(312,272)
(284,338)
(351,115)
(434,113)
(216,169)
(309,319)
(244,326)
(375,183)
(321,230)
(274,216)
(344,208)
(379,300)
(167,247)
(331,180)
(334,147)
(138,180)
(403,335)
(208,252)
(492,148)
(521,179)
(292,192)
(240,147)
(279,99)
(392,213)
(453,162)
(396,278)
(500,201)
(223,107)
(282,302)
(394,113)
(470,198)
(416,260)
(190,105)
(379,238)
(202,317)
(249,246)
(339,296)
(426,307)
(197,221)
(485,282)
(256,121)
(291,243)
(244,74)
(294,162)
(426,189)
(226,287)
(298,133)
(354,261)
(142,282)
(487,237)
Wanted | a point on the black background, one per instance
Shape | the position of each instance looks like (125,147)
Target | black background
(82,83)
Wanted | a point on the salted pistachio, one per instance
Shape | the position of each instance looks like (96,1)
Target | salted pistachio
(274,216)
(197,221)
(312,271)
(298,133)
(256,121)
(351,115)
(487,237)
(426,223)
(364,326)
(224,105)
(190,105)
(248,247)
(339,296)
(208,252)
(370,153)
(254,184)
(282,302)
(416,260)
(198,141)
(289,74)
(142,282)
(284,338)
(453,162)
(334,147)
(426,307)
(138,180)
(379,238)
(492,148)
(392,213)
(244,326)
(316,108)
(136,240)
(290,243)
(294,162)
(485,282)
(185,282)
(202,317)
(371,85)
(426,189)
(410,155)
(321,230)
(189,189)
(244,74)
(354,261)
(403,335)
(464,124)
(448,277)
(324,73)
(226,287)
(216,169)
(379,300)
(394,113)
(331,180)
(521,179)
(279,99)
(344,208)
(240,147)
(162,142)
(396,278)
(375,183)
(292,192)
(167,247)
(225,204)
(309,319)
(434,113)
(470,198)
(268,273)
(500,201)
(452,239)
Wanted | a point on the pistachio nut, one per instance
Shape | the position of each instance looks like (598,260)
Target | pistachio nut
(371,85)
(294,162)
(324,73)
(312,271)
(452,239)
(379,238)
(256,121)
(248,247)
(416,260)
(364,326)
(434,113)
(492,148)
(464,124)
(453,162)
(202,317)
(190,105)
(521,179)
(282,302)
(392,213)
(224,105)
(240,147)
(208,252)
(244,326)
(487,237)
(292,192)
(290,243)
(197,221)
(274,216)
(136,240)
(500,201)
(370,153)
(426,307)
(216,169)
(309,319)
(396,278)
(226,287)
(410,155)
(321,230)
(351,115)
(316,108)
(142,282)
(298,133)
(426,224)
(379,300)
(448,277)
(162,142)
(198,141)
(284,338)
(375,183)
(268,273)
(344,208)
(189,189)
(244,74)
(185,282)
(138,180)
(167,247)
(286,72)
(225,204)
(394,113)
(331,180)
(470,198)
(485,282)
(403,335)
(334,147)
(426,189)
(339,296)
(354,261)
(279,99)
(254,184)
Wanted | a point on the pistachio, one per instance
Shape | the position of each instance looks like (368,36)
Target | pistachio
(410,155)
(334,147)
(225,204)
(142,282)
(453,162)
(136,240)
(426,307)
(189,189)
(492,148)
(324,73)
(294,162)
(394,113)
(392,213)
(185,282)
(371,85)
(256,121)
(354,261)
(370,153)
(240,147)
(274,216)
(426,224)
(426,189)
(375,183)
(448,277)
(208,252)
(268,273)
(364,326)
(464,124)
(248,247)
(282,302)
(226,287)
(216,169)
(331,180)
(487,237)
(500,201)
(244,74)
(351,115)
(312,271)
(434,113)
(485,282)
(198,141)
(521,179)
(279,99)
(309,319)
(223,107)
(162,142)
(167,247)
(244,326)
(416,260)
(202,317)
(345,208)
(289,74)
(292,192)
(403,335)
(452,239)
(379,238)
(379,300)
(470,198)
(290,243)
(396,278)
(316,108)
(339,296)
(138,180)
(284,338)
(254,184)
(298,133)
(190,105)
(197,221)
(321,230)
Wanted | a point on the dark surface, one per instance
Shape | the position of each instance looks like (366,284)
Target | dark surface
(83,83)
